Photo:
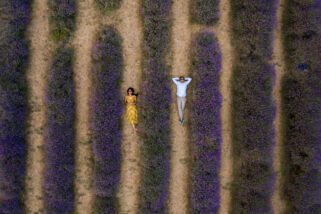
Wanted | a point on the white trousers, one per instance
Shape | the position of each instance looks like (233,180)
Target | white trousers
(181,106)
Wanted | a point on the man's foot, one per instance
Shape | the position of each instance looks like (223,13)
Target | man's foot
(182,121)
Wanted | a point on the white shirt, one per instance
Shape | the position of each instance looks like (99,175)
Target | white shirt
(181,86)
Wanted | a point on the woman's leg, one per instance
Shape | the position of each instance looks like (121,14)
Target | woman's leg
(134,126)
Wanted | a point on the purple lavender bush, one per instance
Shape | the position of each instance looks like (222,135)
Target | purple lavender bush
(59,135)
(253,109)
(301,107)
(204,12)
(204,126)
(14,52)
(106,109)
(62,19)
(107,6)
(155,107)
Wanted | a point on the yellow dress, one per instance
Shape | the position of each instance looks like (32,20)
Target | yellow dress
(131,109)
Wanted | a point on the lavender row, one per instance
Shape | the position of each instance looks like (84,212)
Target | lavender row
(301,107)
(59,135)
(205,12)
(107,6)
(105,123)
(253,109)
(14,54)
(204,129)
(62,19)
(155,107)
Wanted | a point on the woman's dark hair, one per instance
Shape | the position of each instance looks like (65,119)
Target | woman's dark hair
(133,91)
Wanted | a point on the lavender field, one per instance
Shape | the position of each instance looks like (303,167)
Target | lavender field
(14,55)
(105,103)
(251,142)
(204,129)
(252,106)
(59,135)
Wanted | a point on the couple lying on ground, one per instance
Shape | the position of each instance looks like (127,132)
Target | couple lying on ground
(131,99)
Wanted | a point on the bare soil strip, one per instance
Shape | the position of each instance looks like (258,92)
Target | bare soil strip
(130,27)
(278,61)
(223,35)
(181,39)
(87,24)
(36,76)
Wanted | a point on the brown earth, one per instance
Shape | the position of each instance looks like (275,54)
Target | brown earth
(278,61)
(86,30)
(181,36)
(41,51)
(223,35)
(129,25)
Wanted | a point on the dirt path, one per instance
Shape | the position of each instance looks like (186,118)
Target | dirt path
(181,38)
(223,35)
(130,28)
(38,33)
(87,24)
(278,61)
